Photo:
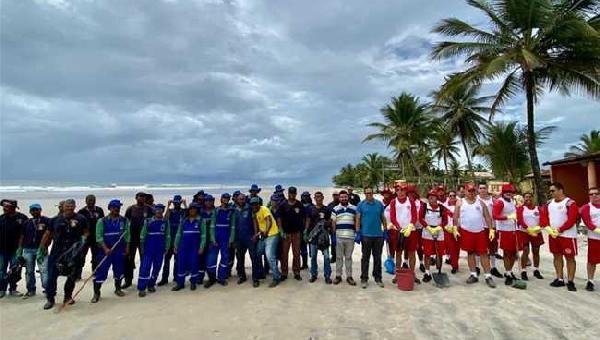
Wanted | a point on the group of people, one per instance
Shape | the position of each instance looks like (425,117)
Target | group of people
(204,238)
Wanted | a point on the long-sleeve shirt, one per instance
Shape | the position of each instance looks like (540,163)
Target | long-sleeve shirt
(587,218)
(443,212)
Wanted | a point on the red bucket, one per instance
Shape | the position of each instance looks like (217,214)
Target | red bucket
(405,278)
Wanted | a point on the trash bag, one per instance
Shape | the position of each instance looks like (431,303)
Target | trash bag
(319,236)
(390,266)
(14,272)
(68,262)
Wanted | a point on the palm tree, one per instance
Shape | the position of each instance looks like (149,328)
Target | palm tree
(374,166)
(531,45)
(588,144)
(405,127)
(463,111)
(444,145)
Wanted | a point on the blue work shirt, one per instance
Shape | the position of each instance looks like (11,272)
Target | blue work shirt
(370,218)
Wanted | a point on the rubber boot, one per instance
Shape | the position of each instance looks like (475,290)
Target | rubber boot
(96,296)
(49,303)
(118,291)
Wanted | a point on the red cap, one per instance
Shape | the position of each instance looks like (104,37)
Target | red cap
(441,188)
(402,186)
(470,186)
(432,192)
(506,188)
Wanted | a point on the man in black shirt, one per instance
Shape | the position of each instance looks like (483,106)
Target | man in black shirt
(353,198)
(319,213)
(67,234)
(136,214)
(11,229)
(91,213)
(33,231)
(291,220)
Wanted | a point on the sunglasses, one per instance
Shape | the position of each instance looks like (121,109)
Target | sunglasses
(594,194)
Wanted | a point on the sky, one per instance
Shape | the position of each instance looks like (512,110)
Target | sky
(209,91)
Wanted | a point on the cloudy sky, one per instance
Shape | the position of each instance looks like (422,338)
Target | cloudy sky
(210,91)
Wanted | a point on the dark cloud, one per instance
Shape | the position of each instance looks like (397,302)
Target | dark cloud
(211,91)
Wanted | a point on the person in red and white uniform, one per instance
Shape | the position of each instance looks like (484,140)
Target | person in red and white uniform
(562,228)
(472,215)
(590,214)
(403,217)
(442,198)
(434,219)
(485,197)
(420,205)
(504,213)
(528,219)
(451,234)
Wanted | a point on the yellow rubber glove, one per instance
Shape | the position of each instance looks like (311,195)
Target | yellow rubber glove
(450,228)
(597,231)
(492,234)
(512,217)
(437,230)
(431,230)
(533,231)
(455,233)
(552,232)
(407,230)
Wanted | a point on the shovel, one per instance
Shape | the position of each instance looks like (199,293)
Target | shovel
(518,283)
(440,279)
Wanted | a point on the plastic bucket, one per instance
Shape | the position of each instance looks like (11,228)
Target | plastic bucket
(405,278)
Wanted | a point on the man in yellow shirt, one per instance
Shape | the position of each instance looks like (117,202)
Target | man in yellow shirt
(269,233)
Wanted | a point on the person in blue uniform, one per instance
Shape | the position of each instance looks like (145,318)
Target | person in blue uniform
(112,237)
(155,240)
(33,231)
(222,235)
(189,245)
(246,236)
(175,216)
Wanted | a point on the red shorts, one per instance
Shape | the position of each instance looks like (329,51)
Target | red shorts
(563,246)
(429,247)
(528,240)
(412,242)
(393,239)
(474,242)
(593,251)
(508,240)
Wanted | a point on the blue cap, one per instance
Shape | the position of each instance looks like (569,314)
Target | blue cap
(177,199)
(279,188)
(254,187)
(158,207)
(254,200)
(209,197)
(195,205)
(114,204)
(236,193)
(35,206)
(225,195)
(306,193)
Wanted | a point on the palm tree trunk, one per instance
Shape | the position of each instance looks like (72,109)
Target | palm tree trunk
(531,143)
(469,165)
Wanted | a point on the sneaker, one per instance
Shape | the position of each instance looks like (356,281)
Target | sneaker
(490,282)
(162,282)
(312,279)
(524,276)
(209,283)
(499,257)
(351,281)
(304,267)
(223,283)
(380,284)
(273,283)
(241,280)
(508,280)
(447,261)
(422,268)
(192,286)
(95,298)
(177,288)
(151,289)
(557,283)
(454,270)
(119,293)
(328,281)
(494,272)
(126,285)
(589,286)
(478,271)
(417,281)
(297,277)
(142,293)
(571,286)
(28,295)
(394,280)
(337,280)
(537,274)
(405,265)
(49,304)
(68,300)
(364,284)
(15,293)
(255,283)
(472,279)
(426,277)
(283,278)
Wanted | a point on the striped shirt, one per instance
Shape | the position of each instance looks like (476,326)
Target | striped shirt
(344,217)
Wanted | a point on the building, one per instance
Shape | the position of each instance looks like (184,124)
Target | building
(526,185)
(576,174)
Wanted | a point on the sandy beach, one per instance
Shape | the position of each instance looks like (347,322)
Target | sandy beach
(303,310)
